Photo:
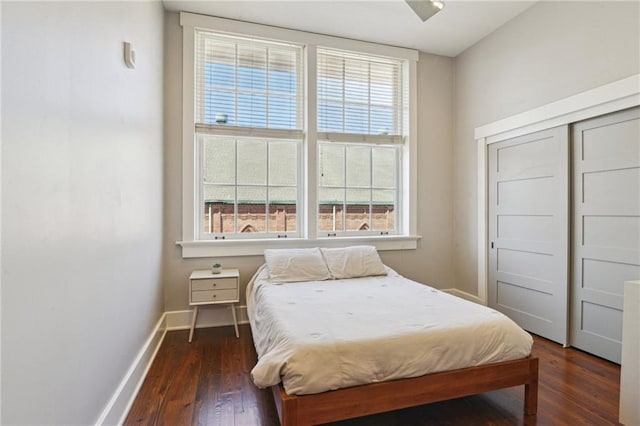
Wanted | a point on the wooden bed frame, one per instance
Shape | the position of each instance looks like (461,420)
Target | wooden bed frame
(387,396)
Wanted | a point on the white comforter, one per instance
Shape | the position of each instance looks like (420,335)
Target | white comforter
(323,335)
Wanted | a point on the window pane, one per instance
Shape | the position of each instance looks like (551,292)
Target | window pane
(330,88)
(384,167)
(282,195)
(219,51)
(382,94)
(251,78)
(331,196)
(219,209)
(283,162)
(219,75)
(219,107)
(359,166)
(381,121)
(252,162)
(330,77)
(218,160)
(218,218)
(282,72)
(357,218)
(383,77)
(252,64)
(331,165)
(216,193)
(356,119)
(219,64)
(383,218)
(330,117)
(252,202)
(356,81)
(282,113)
(252,110)
(384,196)
(282,209)
(330,215)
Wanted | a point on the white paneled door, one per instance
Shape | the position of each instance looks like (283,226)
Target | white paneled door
(606,228)
(529,231)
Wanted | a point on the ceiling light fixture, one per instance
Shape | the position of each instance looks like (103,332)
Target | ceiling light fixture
(425,9)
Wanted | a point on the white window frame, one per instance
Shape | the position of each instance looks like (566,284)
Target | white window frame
(407,186)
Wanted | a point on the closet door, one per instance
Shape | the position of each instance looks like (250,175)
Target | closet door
(528,231)
(606,228)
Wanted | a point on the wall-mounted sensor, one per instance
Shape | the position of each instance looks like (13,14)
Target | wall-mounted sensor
(129,55)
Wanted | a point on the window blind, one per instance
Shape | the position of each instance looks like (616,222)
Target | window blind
(247,84)
(359,95)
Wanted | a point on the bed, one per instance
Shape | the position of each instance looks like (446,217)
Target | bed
(334,346)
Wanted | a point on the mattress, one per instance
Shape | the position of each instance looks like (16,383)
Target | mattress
(318,336)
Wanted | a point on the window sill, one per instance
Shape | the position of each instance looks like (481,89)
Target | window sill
(193,249)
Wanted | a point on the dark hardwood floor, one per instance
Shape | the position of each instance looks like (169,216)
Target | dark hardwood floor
(207,382)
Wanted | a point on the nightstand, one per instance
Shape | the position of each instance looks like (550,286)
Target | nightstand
(207,288)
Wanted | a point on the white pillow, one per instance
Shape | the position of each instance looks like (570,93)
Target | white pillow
(289,265)
(353,262)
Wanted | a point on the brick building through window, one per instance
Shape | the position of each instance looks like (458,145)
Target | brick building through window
(219,217)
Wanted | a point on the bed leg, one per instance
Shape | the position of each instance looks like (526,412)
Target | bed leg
(531,389)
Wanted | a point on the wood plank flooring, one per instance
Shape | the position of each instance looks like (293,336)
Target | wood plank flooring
(207,382)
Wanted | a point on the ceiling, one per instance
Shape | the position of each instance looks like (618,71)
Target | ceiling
(458,26)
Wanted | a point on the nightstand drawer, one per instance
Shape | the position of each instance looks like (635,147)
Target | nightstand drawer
(214,296)
(214,284)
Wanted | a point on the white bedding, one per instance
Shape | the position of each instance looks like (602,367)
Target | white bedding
(324,335)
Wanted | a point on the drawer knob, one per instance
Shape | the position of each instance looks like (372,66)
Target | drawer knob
(214,284)
(214,296)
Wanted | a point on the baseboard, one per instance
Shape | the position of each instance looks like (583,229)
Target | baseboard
(464,295)
(118,406)
(208,316)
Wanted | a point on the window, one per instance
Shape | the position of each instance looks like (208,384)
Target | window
(248,132)
(290,138)
(359,98)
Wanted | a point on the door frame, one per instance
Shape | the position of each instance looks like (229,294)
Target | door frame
(612,97)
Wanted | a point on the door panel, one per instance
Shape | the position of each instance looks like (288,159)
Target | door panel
(611,231)
(606,228)
(528,228)
(528,231)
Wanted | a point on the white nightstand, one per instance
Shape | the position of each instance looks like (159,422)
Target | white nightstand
(207,288)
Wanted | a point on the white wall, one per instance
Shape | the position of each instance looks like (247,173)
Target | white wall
(82,203)
(551,51)
(430,263)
